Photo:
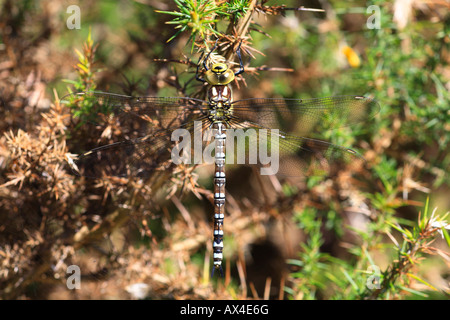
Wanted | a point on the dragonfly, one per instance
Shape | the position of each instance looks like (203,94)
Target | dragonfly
(147,126)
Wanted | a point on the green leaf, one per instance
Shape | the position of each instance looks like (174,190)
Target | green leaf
(70,81)
(295,262)
(79,54)
(423,281)
(414,291)
(398,228)
(446,235)
(353,283)
(82,67)
(173,13)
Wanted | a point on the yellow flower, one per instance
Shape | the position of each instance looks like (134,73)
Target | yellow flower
(352,57)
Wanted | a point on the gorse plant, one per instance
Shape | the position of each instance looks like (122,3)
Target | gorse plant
(417,243)
(200,17)
(197,17)
(86,71)
(85,68)
(366,280)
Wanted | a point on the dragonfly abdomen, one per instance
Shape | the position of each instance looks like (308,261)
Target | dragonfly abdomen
(219,193)
(219,98)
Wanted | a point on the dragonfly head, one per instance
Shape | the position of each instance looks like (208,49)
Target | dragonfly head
(219,74)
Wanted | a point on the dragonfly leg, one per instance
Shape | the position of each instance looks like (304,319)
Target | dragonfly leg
(209,53)
(204,62)
(241,64)
(197,77)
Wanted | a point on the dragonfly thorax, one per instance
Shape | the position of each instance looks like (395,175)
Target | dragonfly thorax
(219,98)
(218,94)
(219,74)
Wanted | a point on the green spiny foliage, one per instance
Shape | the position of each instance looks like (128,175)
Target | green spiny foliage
(83,106)
(86,67)
(201,17)
(319,272)
(197,17)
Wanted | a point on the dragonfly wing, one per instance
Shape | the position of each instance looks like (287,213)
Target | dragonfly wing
(136,131)
(300,156)
(305,115)
(139,114)
(281,154)
(141,156)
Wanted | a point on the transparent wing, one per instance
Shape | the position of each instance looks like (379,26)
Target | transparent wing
(138,114)
(141,156)
(142,125)
(143,148)
(305,115)
(281,154)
